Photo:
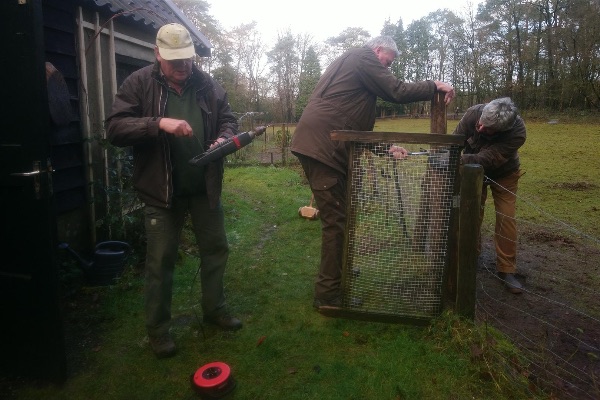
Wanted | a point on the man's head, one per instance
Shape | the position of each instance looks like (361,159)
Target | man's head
(175,51)
(385,48)
(497,116)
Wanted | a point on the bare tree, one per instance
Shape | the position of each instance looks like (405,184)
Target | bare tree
(284,62)
(348,38)
(543,53)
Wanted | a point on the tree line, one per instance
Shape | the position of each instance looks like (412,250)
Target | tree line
(545,54)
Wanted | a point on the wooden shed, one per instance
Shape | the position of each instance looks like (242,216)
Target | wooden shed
(63,62)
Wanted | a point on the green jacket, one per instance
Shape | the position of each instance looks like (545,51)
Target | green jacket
(345,99)
(498,154)
(137,109)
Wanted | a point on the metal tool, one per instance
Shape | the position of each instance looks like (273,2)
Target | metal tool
(227,147)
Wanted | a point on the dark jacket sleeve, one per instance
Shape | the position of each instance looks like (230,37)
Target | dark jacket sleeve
(127,124)
(380,81)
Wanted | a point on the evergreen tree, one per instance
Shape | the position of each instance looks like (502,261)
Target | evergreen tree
(311,72)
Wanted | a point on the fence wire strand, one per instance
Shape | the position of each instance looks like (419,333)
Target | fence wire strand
(558,337)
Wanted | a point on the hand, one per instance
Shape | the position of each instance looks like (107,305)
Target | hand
(398,152)
(176,127)
(217,142)
(448,89)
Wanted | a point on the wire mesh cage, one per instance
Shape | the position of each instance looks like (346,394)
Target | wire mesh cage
(397,233)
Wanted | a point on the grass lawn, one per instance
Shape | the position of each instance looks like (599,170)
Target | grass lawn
(286,350)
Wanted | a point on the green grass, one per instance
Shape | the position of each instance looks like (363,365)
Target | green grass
(286,350)
(562,165)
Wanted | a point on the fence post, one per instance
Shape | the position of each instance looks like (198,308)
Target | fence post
(438,113)
(283,145)
(438,124)
(468,236)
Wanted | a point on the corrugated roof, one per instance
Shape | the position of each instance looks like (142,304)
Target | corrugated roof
(154,14)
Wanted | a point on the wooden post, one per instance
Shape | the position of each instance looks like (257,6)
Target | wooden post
(438,124)
(283,145)
(451,271)
(470,202)
(438,113)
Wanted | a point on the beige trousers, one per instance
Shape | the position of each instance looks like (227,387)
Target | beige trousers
(504,192)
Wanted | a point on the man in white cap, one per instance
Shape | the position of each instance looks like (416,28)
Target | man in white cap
(493,134)
(170,112)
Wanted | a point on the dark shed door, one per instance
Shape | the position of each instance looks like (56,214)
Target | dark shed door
(31,334)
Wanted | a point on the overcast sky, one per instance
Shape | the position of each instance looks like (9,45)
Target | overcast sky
(325,18)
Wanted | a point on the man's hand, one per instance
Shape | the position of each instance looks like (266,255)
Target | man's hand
(176,127)
(446,88)
(398,152)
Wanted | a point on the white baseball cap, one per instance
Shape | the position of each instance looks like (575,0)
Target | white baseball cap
(174,42)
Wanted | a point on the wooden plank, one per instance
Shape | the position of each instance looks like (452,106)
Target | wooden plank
(340,312)
(396,137)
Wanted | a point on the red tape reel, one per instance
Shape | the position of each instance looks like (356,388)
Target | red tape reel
(213,380)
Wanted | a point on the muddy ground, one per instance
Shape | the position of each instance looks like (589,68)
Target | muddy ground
(556,320)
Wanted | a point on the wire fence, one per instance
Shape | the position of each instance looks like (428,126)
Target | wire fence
(398,228)
(271,148)
(555,322)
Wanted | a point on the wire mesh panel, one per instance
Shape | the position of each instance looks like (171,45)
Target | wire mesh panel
(398,227)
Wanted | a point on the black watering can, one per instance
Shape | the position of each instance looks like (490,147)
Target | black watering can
(107,263)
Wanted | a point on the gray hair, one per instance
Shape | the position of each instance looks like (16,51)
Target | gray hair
(499,114)
(387,42)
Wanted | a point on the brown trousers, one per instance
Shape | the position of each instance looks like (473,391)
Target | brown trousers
(504,191)
(329,188)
